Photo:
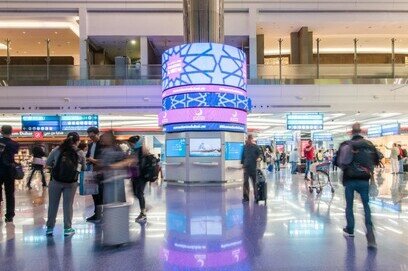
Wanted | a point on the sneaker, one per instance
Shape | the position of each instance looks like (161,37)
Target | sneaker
(49,231)
(141,218)
(347,233)
(93,218)
(69,232)
(371,240)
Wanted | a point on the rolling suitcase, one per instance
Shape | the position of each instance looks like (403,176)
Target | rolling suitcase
(261,187)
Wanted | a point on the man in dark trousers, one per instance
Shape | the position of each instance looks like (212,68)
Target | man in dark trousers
(92,156)
(357,158)
(249,161)
(37,164)
(8,148)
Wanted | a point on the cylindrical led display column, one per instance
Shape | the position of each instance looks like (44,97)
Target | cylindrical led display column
(204,91)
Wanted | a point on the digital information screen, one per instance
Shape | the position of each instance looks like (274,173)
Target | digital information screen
(233,150)
(288,136)
(390,129)
(263,142)
(201,126)
(191,115)
(40,123)
(78,122)
(205,147)
(304,121)
(176,147)
(322,136)
(373,132)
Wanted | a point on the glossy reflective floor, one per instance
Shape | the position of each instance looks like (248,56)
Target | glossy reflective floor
(210,229)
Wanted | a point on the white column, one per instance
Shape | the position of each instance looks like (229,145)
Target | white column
(144,55)
(83,46)
(253,70)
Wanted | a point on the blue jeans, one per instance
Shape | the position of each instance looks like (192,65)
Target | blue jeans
(294,167)
(277,163)
(401,165)
(307,169)
(362,188)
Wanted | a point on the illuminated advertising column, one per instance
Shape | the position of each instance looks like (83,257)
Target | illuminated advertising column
(204,91)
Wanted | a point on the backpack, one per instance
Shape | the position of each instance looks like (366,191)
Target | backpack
(404,153)
(150,168)
(364,157)
(66,168)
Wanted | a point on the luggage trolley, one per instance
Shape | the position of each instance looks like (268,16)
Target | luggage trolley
(322,173)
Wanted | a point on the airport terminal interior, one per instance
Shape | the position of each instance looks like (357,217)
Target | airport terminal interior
(203,135)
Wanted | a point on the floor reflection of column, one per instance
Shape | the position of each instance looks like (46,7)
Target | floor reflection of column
(204,229)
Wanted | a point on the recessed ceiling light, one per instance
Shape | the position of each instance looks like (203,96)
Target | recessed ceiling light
(133,42)
(56,32)
(68,42)
(24,32)
(39,42)
(24,52)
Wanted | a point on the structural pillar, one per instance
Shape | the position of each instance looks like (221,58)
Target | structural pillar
(260,49)
(253,62)
(301,46)
(144,56)
(83,43)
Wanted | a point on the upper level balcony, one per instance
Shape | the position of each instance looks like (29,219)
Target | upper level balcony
(62,75)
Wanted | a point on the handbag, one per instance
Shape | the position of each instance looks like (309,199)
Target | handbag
(88,185)
(18,171)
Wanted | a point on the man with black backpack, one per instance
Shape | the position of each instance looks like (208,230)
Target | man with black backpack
(8,148)
(357,158)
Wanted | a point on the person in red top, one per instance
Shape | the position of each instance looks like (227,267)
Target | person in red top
(309,155)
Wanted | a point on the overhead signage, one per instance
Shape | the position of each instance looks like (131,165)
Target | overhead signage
(390,129)
(304,121)
(58,123)
(263,142)
(373,132)
(78,122)
(288,136)
(40,123)
(322,136)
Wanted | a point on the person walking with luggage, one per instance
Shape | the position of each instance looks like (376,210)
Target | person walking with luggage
(293,160)
(37,164)
(357,158)
(92,156)
(249,159)
(8,148)
(309,155)
(66,162)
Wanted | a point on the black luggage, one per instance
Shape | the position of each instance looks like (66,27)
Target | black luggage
(405,167)
(261,187)
(301,168)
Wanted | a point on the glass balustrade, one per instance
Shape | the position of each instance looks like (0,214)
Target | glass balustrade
(59,74)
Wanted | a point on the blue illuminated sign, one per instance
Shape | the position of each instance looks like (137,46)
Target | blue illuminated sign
(176,147)
(55,123)
(374,132)
(390,129)
(283,137)
(78,122)
(304,121)
(200,126)
(322,136)
(208,99)
(40,123)
(263,142)
(233,150)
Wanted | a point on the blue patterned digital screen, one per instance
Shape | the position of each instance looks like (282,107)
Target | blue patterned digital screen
(233,150)
(176,222)
(206,99)
(78,122)
(176,147)
(204,63)
(40,123)
(304,121)
(390,129)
